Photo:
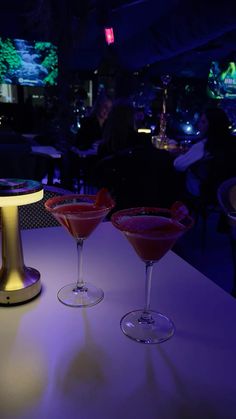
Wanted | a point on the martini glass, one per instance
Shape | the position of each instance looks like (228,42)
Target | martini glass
(152,232)
(80,215)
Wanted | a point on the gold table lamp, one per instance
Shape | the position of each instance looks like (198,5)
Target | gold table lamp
(18,283)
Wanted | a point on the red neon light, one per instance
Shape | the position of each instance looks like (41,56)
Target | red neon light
(109,35)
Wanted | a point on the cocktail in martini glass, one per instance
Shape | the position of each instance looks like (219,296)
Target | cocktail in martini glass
(152,232)
(80,215)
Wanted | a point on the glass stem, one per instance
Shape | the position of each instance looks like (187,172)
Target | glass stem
(146,315)
(80,282)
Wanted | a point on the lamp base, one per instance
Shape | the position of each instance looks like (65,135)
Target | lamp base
(30,287)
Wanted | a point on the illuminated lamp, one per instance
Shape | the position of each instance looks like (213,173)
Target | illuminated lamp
(144,131)
(109,36)
(18,283)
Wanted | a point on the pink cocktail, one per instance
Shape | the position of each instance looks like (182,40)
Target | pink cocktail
(80,215)
(80,219)
(152,232)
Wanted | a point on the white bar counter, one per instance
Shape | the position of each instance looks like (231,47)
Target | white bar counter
(62,362)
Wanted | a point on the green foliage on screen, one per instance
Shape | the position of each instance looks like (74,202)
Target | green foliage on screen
(50,61)
(9,59)
(222,80)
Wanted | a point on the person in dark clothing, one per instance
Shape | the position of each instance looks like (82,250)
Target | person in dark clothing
(120,132)
(134,171)
(91,127)
(221,147)
(212,159)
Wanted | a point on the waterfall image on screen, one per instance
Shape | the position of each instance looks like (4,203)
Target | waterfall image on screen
(222,80)
(29,63)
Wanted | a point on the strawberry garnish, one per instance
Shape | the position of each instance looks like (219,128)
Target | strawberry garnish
(179,211)
(104,199)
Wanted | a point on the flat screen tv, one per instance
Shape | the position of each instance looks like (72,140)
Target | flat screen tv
(222,80)
(28,63)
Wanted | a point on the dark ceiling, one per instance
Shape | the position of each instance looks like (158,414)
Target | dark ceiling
(178,37)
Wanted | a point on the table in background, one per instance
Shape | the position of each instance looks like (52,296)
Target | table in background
(84,162)
(64,362)
(52,154)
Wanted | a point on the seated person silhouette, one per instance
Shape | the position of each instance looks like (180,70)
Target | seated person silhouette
(91,127)
(212,159)
(135,172)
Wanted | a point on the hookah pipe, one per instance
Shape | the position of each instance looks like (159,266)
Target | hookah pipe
(161,139)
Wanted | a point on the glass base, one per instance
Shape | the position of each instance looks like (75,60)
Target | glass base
(87,296)
(152,327)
